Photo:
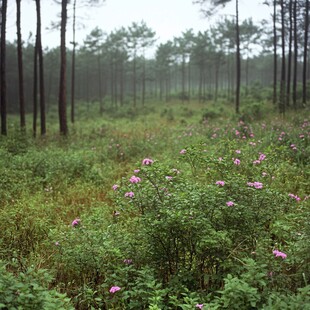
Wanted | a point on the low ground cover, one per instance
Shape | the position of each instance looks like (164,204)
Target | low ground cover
(176,207)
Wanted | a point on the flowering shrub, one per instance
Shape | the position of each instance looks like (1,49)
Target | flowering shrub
(186,224)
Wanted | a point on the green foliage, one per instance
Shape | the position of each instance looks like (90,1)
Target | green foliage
(204,225)
(29,290)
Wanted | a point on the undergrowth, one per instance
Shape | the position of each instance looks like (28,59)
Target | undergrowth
(172,208)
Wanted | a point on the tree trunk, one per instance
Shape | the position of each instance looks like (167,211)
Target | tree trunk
(295,57)
(289,60)
(3,69)
(62,80)
(20,69)
(134,81)
(238,65)
(304,75)
(100,83)
(73,64)
(35,89)
(143,82)
(275,57)
(183,78)
(39,52)
(283,73)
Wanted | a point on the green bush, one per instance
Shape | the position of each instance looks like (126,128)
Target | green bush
(29,290)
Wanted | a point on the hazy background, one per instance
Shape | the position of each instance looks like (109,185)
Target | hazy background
(167,17)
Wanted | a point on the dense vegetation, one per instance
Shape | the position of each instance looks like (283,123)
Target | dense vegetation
(166,207)
(177,184)
(231,60)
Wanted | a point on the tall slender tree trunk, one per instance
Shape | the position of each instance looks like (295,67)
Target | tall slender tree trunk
(143,82)
(275,57)
(3,69)
(20,69)
(217,69)
(134,81)
(295,57)
(183,78)
(100,83)
(62,80)
(189,80)
(304,75)
(122,84)
(73,64)
(41,68)
(289,60)
(283,73)
(238,64)
(35,89)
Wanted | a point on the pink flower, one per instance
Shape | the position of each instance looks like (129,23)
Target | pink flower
(114,289)
(168,178)
(256,162)
(238,151)
(136,171)
(279,254)
(264,174)
(262,157)
(237,161)
(294,197)
(199,306)
(134,179)
(220,158)
(256,185)
(183,151)
(128,261)
(147,161)
(57,243)
(75,222)
(115,187)
(129,194)
(221,183)
(230,203)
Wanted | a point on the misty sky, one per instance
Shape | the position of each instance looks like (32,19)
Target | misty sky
(167,17)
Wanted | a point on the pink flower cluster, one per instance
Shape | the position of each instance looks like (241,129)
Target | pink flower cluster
(130,194)
(115,187)
(293,147)
(199,306)
(183,151)
(75,222)
(134,179)
(279,254)
(295,197)
(281,136)
(237,161)
(220,183)
(147,161)
(114,289)
(257,185)
(260,159)
(230,203)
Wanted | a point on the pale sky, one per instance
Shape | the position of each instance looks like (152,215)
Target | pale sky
(168,18)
